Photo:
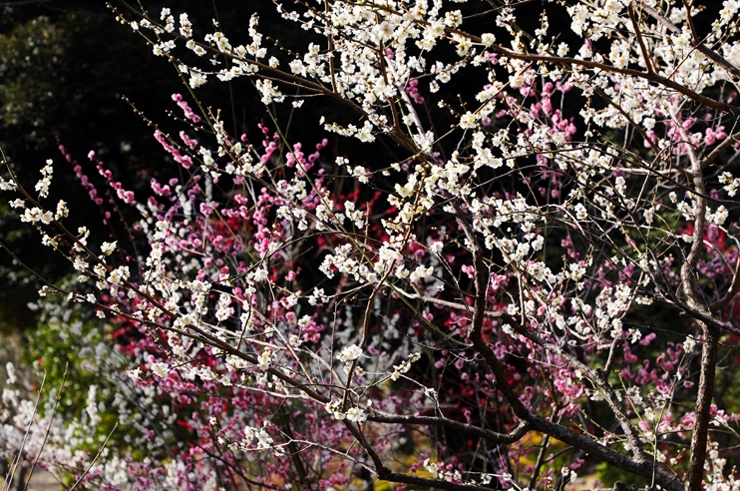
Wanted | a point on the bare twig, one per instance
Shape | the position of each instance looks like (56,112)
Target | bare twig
(48,427)
(97,456)
(19,455)
(690,21)
(492,436)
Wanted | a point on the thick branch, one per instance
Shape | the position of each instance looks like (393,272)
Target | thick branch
(699,315)
(643,49)
(599,380)
(690,21)
(643,468)
(637,465)
(691,289)
(699,435)
(492,314)
(479,309)
(386,474)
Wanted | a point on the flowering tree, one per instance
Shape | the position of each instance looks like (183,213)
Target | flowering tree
(480,303)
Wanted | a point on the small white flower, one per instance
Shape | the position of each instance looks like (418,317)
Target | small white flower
(356,414)
(197,79)
(119,275)
(421,273)
(265,359)
(334,408)
(261,275)
(186,28)
(349,353)
(720,215)
(62,210)
(487,39)
(467,121)
(10,368)
(159,369)
(264,440)
(108,247)
(79,264)
(195,48)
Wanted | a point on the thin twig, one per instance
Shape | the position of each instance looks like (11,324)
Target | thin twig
(17,458)
(636,27)
(48,427)
(100,452)
(492,436)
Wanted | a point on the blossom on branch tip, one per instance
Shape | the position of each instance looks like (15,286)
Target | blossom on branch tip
(159,369)
(263,439)
(197,79)
(108,247)
(356,414)
(524,224)
(334,407)
(36,214)
(349,353)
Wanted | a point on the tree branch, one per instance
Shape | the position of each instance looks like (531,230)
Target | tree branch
(481,289)
(700,47)
(492,436)
(644,468)
(731,292)
(637,465)
(652,77)
(691,290)
(716,151)
(643,49)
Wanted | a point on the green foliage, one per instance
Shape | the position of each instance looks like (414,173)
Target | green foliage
(30,55)
(76,354)
(608,475)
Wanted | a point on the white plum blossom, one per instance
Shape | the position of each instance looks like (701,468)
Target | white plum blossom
(349,353)
(260,435)
(518,208)
(160,369)
(108,247)
(356,414)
